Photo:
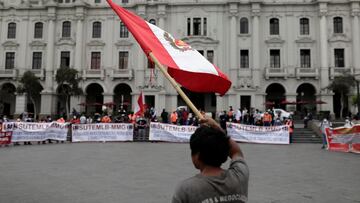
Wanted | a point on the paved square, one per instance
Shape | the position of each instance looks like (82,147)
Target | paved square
(149,172)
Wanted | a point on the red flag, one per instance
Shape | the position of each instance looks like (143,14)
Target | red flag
(186,65)
(140,106)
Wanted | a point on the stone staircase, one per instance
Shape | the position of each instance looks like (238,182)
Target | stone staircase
(305,135)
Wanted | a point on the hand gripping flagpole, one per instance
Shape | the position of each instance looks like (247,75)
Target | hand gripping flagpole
(176,86)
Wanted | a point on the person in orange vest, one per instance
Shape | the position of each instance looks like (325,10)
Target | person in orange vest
(290,124)
(105,119)
(267,119)
(173,117)
(60,120)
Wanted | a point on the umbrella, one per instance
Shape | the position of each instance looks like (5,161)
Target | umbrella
(82,104)
(110,104)
(287,102)
(302,102)
(269,103)
(319,102)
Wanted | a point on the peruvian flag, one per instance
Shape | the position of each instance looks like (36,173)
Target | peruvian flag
(140,105)
(187,66)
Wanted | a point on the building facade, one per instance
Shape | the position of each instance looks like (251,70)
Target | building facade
(274,52)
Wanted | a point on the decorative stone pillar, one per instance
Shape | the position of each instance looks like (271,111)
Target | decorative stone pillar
(325,95)
(49,79)
(255,8)
(233,11)
(355,11)
(162,15)
(20,103)
(46,104)
(79,43)
(324,65)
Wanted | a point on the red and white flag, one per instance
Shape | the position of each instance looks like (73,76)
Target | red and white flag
(186,65)
(140,105)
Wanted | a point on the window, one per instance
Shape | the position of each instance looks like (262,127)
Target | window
(274,26)
(197,26)
(205,26)
(11,31)
(124,1)
(10,60)
(38,30)
(189,26)
(305,58)
(66,29)
(123,59)
(152,21)
(97,1)
(96,30)
(201,52)
(339,58)
(304,26)
(244,58)
(210,56)
(65,59)
(37,58)
(124,32)
(338,25)
(244,26)
(275,58)
(95,60)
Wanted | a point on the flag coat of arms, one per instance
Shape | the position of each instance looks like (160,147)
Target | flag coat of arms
(186,65)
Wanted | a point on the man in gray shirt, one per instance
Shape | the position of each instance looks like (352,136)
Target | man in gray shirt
(210,148)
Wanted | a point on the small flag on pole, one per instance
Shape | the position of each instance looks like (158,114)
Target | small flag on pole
(140,105)
(186,65)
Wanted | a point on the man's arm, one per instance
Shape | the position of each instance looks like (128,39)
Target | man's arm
(235,150)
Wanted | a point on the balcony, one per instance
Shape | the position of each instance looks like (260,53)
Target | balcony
(93,73)
(121,74)
(8,73)
(335,71)
(307,73)
(275,73)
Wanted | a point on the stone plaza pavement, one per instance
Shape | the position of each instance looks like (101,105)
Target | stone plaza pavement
(149,172)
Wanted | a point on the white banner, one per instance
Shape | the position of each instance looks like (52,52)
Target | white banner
(102,132)
(170,133)
(28,132)
(258,134)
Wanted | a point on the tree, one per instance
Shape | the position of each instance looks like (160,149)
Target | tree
(68,81)
(342,85)
(31,86)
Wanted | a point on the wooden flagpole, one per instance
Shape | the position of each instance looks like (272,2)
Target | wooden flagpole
(176,86)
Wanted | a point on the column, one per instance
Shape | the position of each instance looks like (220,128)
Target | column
(255,45)
(79,44)
(324,65)
(47,95)
(233,45)
(108,97)
(20,104)
(49,70)
(161,13)
(355,36)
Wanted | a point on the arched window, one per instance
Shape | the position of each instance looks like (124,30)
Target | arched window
(338,25)
(304,26)
(152,21)
(274,26)
(244,26)
(66,29)
(124,33)
(96,30)
(11,31)
(38,30)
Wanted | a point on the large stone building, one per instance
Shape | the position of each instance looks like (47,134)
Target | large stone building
(272,50)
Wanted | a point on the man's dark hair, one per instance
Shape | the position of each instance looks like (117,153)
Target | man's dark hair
(211,144)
